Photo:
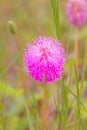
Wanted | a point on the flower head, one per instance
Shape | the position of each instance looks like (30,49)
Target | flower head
(77,12)
(44,59)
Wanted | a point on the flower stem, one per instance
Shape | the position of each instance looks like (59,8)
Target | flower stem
(76,46)
(43,118)
(78,100)
(84,68)
(20,65)
(17,42)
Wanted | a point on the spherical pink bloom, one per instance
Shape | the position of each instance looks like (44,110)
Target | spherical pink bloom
(77,12)
(44,59)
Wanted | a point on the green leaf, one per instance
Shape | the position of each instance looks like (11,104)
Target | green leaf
(30,120)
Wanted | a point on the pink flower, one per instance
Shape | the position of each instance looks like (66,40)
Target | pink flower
(76,12)
(44,59)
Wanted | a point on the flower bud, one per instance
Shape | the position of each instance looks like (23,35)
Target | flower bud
(12,27)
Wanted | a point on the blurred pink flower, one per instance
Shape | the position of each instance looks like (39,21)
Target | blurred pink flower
(76,11)
(44,59)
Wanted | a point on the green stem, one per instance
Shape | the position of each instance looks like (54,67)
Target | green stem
(55,8)
(78,98)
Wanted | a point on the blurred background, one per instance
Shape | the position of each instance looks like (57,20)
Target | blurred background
(32,18)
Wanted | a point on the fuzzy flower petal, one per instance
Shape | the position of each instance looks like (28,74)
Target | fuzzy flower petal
(76,11)
(44,59)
